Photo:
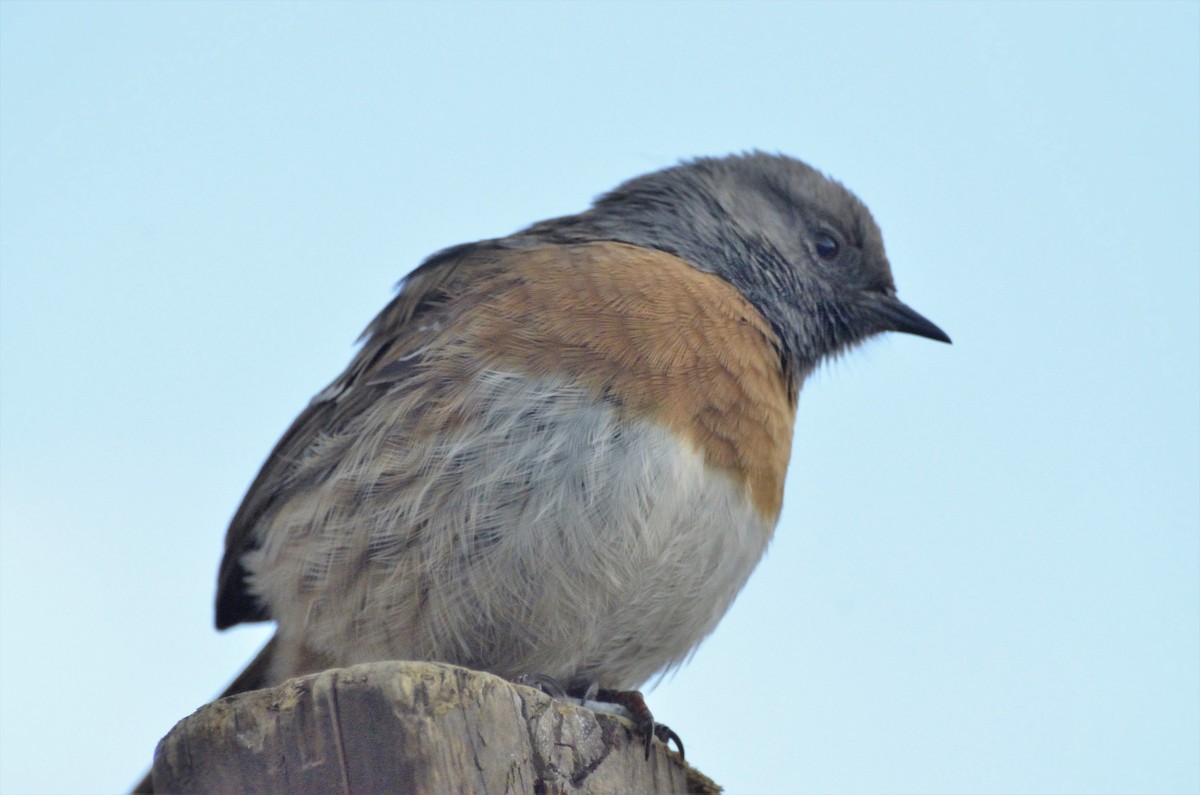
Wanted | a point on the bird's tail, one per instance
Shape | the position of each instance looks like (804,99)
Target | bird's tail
(255,676)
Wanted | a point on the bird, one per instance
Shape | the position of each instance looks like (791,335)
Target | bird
(561,453)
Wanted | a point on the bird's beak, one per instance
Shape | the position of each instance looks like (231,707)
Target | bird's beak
(895,315)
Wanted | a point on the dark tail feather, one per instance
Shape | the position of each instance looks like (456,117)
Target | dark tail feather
(255,677)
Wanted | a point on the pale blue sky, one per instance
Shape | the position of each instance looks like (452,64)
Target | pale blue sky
(987,575)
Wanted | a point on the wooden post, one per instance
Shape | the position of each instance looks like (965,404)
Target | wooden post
(410,727)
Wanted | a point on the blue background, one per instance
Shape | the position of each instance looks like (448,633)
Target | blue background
(987,575)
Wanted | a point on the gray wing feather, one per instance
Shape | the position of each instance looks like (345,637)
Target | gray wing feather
(380,364)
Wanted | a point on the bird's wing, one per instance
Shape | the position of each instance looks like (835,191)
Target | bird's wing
(393,337)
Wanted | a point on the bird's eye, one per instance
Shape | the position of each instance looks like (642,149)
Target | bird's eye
(827,246)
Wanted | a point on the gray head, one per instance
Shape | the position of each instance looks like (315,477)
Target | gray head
(803,249)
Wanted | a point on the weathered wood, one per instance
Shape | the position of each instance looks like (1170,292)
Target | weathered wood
(409,727)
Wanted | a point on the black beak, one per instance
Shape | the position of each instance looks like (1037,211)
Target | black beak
(895,315)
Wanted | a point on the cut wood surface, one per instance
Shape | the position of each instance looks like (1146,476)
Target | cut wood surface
(410,727)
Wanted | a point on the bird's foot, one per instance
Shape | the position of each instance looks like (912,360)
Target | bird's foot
(545,683)
(643,721)
(629,704)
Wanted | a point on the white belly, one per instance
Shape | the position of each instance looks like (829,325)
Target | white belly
(543,537)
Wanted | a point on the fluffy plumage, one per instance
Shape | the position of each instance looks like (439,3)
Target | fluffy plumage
(563,452)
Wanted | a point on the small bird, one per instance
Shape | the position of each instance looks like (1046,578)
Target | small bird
(561,453)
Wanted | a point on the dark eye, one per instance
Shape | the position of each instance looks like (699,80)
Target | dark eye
(827,246)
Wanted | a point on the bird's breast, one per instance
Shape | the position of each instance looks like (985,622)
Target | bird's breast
(655,337)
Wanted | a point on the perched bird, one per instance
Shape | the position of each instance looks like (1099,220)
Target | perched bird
(562,452)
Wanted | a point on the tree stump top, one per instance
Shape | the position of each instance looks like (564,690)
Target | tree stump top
(410,727)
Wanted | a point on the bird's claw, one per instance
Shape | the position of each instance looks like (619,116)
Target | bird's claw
(631,703)
(643,721)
